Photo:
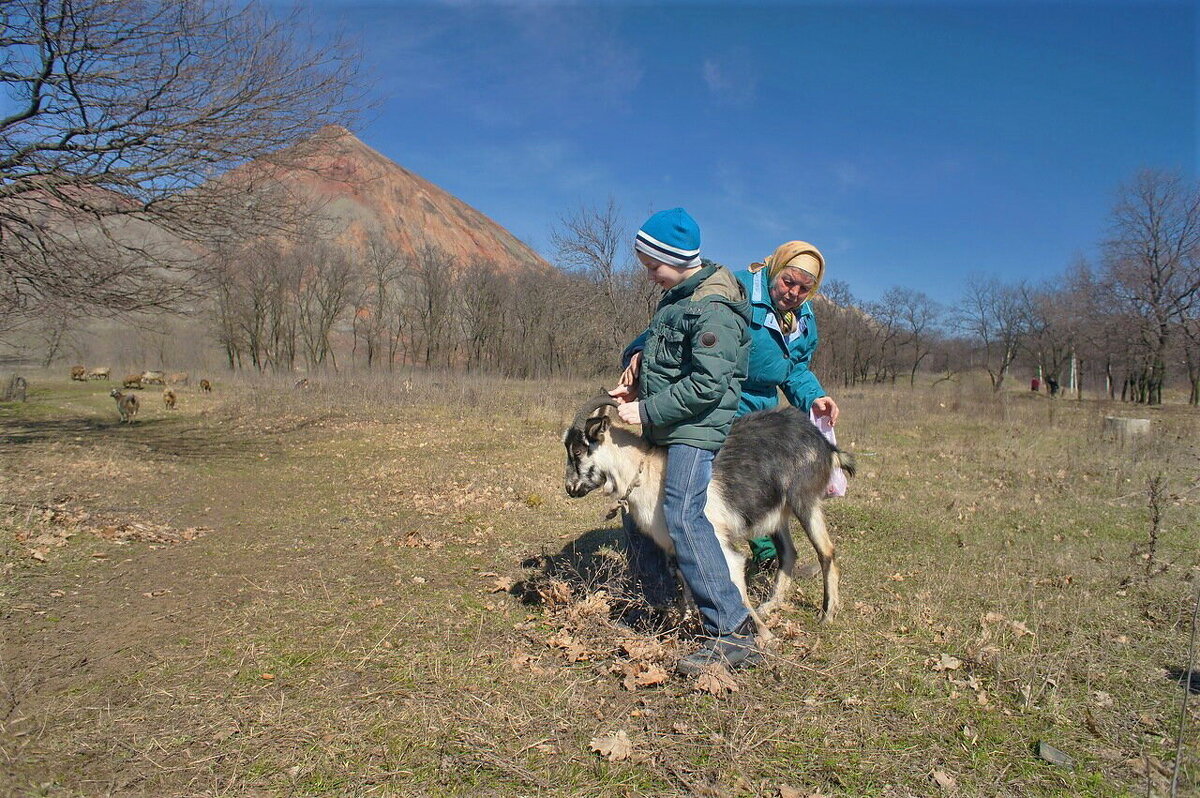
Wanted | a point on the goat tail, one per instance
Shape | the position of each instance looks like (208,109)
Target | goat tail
(844,461)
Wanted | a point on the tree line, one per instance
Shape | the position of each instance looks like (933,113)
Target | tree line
(1122,326)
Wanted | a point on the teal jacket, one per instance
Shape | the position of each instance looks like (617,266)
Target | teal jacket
(776,360)
(694,358)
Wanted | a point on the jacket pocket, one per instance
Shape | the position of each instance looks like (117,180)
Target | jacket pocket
(670,349)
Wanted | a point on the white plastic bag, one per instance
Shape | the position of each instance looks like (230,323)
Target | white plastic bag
(837,478)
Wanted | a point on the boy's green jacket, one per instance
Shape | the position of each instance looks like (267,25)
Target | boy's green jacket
(694,357)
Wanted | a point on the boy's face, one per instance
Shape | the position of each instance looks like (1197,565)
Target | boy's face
(662,275)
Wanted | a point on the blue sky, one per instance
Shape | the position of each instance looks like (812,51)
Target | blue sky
(914,143)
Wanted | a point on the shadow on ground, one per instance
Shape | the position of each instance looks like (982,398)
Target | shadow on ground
(1189,677)
(593,561)
(155,436)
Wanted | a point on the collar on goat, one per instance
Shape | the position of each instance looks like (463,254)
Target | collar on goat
(623,501)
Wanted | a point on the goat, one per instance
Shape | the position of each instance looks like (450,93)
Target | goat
(99,373)
(773,461)
(169,399)
(127,405)
(206,386)
(78,373)
(132,381)
(153,378)
(177,378)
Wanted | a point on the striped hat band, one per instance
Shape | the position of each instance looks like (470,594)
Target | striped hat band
(672,256)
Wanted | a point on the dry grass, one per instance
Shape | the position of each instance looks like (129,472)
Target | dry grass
(389,594)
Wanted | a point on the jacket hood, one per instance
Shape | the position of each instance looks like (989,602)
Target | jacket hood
(713,284)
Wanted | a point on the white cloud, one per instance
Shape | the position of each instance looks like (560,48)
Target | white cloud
(730,78)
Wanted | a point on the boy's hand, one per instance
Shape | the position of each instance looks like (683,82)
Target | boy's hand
(630,412)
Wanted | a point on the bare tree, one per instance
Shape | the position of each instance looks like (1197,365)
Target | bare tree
(1153,261)
(993,316)
(122,112)
(381,267)
(328,283)
(919,318)
(595,243)
(429,273)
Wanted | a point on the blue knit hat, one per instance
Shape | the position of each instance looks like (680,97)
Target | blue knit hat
(672,237)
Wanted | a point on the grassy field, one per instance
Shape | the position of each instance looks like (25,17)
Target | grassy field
(380,588)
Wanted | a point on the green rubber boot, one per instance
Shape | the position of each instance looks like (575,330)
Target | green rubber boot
(762,549)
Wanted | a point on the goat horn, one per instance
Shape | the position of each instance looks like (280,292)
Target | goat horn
(591,406)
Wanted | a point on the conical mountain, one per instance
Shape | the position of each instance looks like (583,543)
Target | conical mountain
(359,193)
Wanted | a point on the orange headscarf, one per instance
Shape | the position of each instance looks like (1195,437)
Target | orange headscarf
(796,254)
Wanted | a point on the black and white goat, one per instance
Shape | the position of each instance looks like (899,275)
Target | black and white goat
(773,462)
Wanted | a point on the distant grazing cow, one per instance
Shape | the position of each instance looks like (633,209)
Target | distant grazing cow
(99,373)
(206,386)
(132,381)
(177,378)
(78,373)
(169,399)
(153,378)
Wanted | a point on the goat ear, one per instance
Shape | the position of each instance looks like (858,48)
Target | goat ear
(596,426)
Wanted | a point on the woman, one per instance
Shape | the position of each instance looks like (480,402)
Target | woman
(783,337)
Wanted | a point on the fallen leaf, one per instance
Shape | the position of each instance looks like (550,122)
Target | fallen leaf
(502,585)
(716,680)
(643,649)
(1019,628)
(267,676)
(638,674)
(556,593)
(944,780)
(614,747)
(947,663)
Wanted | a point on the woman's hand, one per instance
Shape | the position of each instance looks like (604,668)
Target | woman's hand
(629,377)
(825,406)
(624,393)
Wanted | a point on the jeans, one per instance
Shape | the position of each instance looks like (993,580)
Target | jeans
(697,551)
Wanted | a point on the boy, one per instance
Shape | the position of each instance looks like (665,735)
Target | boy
(682,385)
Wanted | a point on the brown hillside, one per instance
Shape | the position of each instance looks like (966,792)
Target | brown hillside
(359,192)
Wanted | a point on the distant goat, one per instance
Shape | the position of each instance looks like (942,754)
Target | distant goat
(99,373)
(773,461)
(127,405)
(177,378)
(169,399)
(206,386)
(78,373)
(153,378)
(132,381)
